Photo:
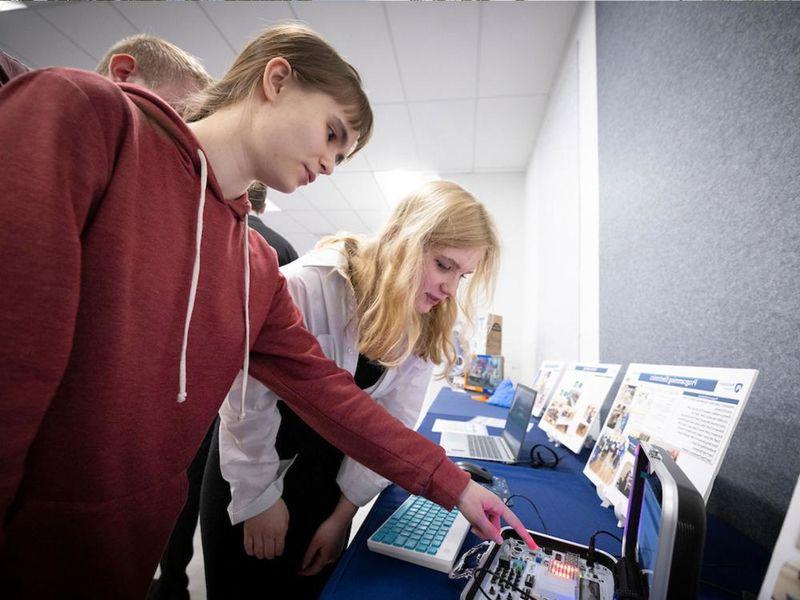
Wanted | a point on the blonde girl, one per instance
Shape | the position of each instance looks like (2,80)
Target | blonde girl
(384,309)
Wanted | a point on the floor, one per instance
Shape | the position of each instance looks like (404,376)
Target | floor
(197,584)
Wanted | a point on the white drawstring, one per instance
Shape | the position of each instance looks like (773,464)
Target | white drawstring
(246,366)
(195,274)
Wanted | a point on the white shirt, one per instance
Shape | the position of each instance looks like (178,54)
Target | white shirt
(248,458)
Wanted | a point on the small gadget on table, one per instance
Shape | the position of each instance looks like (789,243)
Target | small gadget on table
(661,551)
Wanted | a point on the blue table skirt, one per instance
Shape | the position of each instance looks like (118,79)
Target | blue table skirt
(568,503)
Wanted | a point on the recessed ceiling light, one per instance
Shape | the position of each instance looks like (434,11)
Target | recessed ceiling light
(8,5)
(395,185)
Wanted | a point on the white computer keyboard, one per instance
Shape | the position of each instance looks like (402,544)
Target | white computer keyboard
(423,533)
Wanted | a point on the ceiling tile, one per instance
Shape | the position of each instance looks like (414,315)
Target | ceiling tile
(361,190)
(506,131)
(359,32)
(522,44)
(437,46)
(445,133)
(78,21)
(392,145)
(313,221)
(185,25)
(346,220)
(290,202)
(374,219)
(241,22)
(355,164)
(282,222)
(303,242)
(37,43)
(324,195)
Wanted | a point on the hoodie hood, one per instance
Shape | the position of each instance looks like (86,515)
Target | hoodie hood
(193,156)
(169,121)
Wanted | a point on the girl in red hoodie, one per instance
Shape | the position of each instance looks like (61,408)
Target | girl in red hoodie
(133,294)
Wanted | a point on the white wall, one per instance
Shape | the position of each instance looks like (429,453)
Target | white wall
(561,212)
(504,196)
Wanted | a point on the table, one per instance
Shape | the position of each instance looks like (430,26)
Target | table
(568,503)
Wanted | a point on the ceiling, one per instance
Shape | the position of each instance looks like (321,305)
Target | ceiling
(455,87)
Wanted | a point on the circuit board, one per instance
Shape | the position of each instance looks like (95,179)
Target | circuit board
(518,573)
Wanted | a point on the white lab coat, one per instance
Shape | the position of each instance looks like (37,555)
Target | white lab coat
(248,458)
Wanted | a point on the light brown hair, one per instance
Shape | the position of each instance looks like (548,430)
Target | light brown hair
(159,61)
(257,196)
(315,64)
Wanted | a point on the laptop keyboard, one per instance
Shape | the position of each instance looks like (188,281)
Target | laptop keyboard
(484,447)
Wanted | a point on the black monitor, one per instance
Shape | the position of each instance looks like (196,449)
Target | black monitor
(665,529)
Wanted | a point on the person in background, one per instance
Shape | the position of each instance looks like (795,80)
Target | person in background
(257,194)
(134,294)
(10,67)
(145,60)
(383,308)
(156,64)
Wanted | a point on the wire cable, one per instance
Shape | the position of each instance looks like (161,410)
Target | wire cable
(591,550)
(535,508)
(537,460)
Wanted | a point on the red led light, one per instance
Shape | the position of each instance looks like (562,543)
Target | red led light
(563,570)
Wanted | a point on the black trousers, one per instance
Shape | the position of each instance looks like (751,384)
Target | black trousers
(173,581)
(310,493)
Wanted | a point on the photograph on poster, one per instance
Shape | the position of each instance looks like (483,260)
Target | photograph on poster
(605,458)
(576,403)
(545,384)
(691,412)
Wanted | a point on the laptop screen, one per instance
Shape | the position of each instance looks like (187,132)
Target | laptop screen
(519,415)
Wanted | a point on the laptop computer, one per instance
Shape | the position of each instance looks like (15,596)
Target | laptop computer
(503,448)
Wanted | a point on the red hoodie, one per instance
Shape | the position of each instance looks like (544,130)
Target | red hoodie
(100,221)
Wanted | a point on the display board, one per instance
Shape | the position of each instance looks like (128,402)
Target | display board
(689,411)
(575,405)
(545,384)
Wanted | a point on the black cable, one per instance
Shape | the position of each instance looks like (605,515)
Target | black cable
(591,550)
(537,461)
(538,514)
(599,531)
(525,595)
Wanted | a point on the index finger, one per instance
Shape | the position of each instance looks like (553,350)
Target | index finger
(512,520)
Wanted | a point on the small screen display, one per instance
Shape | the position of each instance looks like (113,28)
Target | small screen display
(518,418)
(649,525)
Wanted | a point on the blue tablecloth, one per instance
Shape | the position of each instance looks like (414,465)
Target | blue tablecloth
(568,504)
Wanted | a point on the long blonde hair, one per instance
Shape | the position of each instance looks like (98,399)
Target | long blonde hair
(386,273)
(315,64)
